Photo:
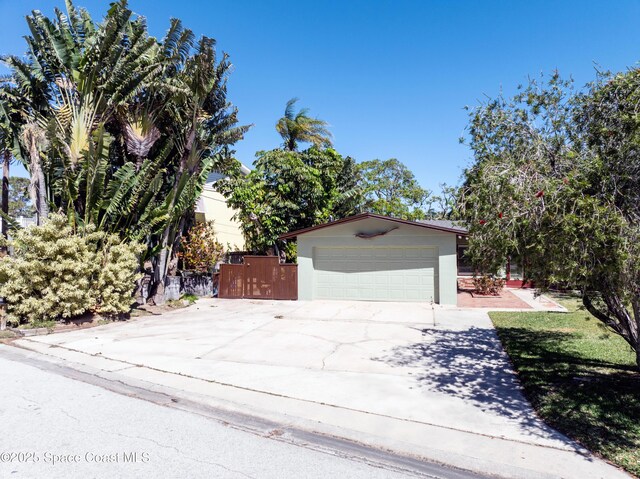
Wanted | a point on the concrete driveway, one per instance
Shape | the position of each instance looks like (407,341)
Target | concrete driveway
(429,382)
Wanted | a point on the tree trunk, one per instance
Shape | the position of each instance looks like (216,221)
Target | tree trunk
(635,306)
(160,272)
(160,269)
(43,207)
(618,319)
(164,260)
(5,195)
(37,189)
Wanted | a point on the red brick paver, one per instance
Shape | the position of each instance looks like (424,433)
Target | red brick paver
(506,300)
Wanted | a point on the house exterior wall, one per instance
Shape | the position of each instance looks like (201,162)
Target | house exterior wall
(227,229)
(343,235)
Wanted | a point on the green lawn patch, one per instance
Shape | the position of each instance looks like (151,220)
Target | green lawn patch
(579,376)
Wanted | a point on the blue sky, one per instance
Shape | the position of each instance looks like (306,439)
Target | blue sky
(391,77)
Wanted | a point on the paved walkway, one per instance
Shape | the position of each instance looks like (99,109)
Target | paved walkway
(506,300)
(537,302)
(428,382)
(510,299)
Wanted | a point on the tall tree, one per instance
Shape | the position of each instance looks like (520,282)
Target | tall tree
(298,127)
(19,201)
(120,129)
(391,189)
(556,182)
(11,122)
(35,140)
(6,166)
(442,206)
(5,151)
(290,190)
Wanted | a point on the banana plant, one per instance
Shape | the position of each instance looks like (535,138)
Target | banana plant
(120,129)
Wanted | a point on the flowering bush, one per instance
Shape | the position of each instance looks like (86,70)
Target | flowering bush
(55,273)
(488,285)
(201,250)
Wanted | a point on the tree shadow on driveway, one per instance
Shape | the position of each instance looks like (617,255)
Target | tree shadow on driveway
(471,365)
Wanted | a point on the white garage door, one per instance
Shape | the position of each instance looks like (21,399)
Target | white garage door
(376,273)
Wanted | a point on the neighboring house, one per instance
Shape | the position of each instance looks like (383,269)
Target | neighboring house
(373,257)
(212,206)
(24,221)
(513,271)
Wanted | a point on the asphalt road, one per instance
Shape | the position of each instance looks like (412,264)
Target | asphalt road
(55,426)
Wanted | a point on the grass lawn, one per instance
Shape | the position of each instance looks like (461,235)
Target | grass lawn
(579,376)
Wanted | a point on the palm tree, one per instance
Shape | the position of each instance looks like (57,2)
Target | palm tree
(300,127)
(203,123)
(5,151)
(6,163)
(35,140)
(129,126)
(11,121)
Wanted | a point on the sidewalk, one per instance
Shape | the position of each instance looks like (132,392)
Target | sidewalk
(538,303)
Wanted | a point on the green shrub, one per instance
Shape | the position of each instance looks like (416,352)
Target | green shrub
(55,273)
(190,298)
(200,250)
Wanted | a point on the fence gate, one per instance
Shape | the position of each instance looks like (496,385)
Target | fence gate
(260,277)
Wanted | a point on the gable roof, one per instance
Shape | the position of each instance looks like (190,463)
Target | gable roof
(422,224)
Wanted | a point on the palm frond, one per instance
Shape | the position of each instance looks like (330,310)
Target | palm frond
(289,111)
(300,127)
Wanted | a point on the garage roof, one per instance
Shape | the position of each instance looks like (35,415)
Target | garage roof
(450,228)
(454,225)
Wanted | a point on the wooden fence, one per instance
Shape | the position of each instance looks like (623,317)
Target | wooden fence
(260,277)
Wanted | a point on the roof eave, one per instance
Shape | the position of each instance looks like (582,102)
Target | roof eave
(360,216)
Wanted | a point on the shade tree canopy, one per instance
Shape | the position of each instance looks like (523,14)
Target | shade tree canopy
(555,181)
(289,190)
(19,202)
(390,188)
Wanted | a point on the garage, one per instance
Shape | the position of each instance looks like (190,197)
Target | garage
(376,273)
(371,257)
